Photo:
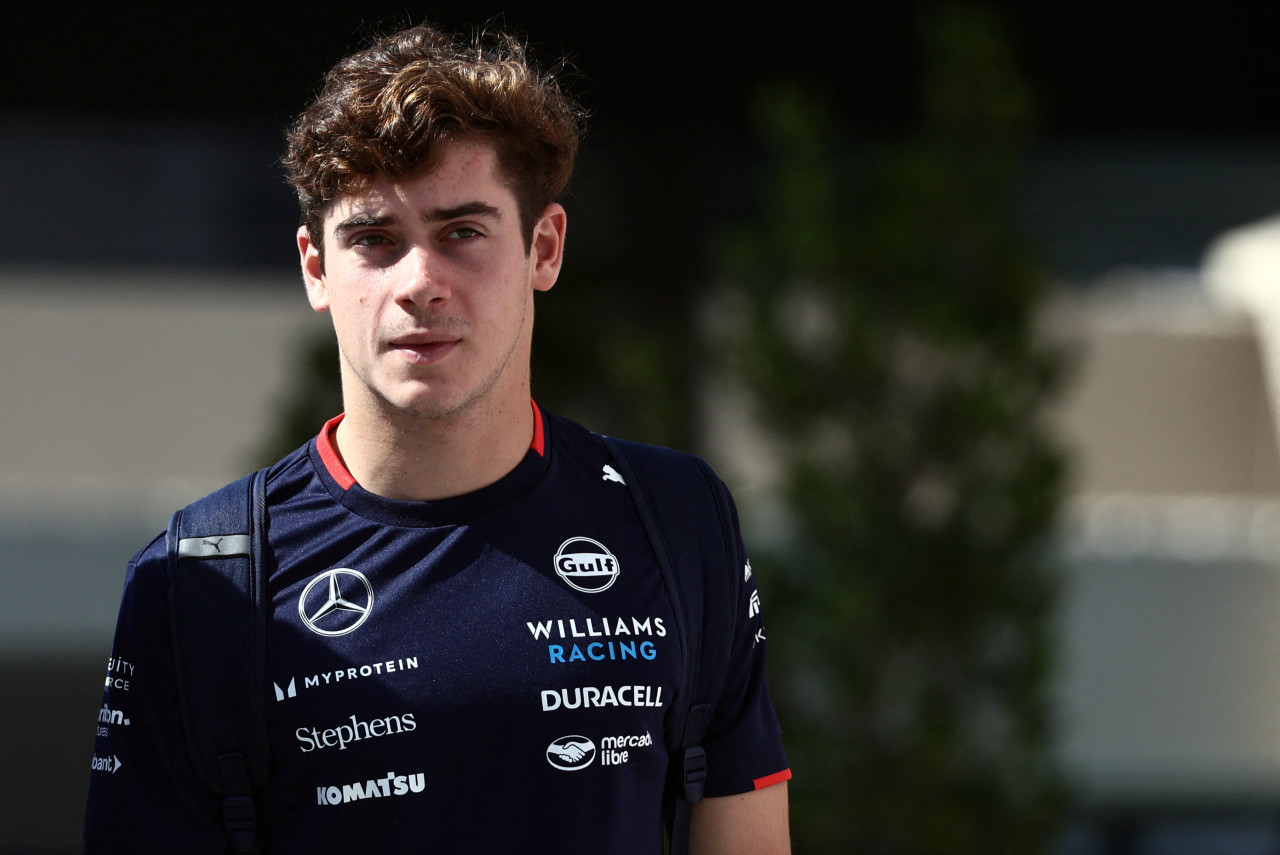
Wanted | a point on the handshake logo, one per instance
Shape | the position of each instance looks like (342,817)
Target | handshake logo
(571,753)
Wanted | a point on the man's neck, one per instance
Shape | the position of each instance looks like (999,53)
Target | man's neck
(421,459)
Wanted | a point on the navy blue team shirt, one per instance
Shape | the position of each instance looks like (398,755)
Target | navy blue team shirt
(472,674)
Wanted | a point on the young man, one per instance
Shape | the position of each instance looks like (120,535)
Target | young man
(470,644)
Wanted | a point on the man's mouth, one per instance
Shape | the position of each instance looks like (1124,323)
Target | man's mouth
(423,348)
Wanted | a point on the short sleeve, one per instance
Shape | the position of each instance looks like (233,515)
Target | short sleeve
(744,741)
(144,794)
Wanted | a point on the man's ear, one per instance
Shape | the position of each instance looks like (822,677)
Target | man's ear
(309,254)
(546,250)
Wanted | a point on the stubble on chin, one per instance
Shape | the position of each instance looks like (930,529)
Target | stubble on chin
(430,404)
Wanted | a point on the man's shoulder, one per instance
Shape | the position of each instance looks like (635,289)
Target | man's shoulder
(153,558)
(294,464)
(682,486)
(645,452)
(150,559)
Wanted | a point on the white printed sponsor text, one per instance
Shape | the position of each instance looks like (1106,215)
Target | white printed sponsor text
(596,628)
(586,697)
(615,750)
(288,687)
(108,717)
(390,784)
(119,673)
(314,739)
(110,764)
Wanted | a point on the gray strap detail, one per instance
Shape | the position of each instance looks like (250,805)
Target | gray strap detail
(214,546)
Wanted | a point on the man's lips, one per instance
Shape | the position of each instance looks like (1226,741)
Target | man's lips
(423,347)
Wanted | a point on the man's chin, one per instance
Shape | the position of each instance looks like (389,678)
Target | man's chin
(437,401)
(432,406)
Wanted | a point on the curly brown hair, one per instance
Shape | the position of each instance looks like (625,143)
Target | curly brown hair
(393,108)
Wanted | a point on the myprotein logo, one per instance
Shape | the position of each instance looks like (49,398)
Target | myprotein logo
(586,565)
(336,602)
(284,691)
(571,753)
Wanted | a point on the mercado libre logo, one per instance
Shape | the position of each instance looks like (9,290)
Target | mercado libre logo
(571,753)
(586,565)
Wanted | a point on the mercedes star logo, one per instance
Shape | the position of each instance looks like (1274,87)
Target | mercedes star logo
(337,607)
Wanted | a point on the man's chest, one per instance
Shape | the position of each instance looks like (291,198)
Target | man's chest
(540,645)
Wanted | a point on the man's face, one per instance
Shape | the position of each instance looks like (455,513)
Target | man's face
(431,289)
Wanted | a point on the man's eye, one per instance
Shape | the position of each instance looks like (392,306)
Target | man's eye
(371,240)
(462,233)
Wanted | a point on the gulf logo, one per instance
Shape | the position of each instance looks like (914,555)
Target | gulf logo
(586,565)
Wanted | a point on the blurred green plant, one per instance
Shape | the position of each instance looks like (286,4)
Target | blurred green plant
(883,327)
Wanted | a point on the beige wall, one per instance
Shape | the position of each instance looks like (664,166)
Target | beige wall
(1161,412)
(135,380)
(123,396)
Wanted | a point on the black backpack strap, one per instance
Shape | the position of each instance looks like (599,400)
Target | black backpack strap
(686,513)
(217,617)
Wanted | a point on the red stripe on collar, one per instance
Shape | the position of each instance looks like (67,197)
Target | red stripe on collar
(332,460)
(329,453)
(536,445)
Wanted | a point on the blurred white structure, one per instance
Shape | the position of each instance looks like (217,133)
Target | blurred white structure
(1242,273)
(1170,690)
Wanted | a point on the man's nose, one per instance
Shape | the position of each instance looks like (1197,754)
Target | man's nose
(419,278)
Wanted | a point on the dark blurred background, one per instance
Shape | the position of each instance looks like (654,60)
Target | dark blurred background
(937,287)
(184,109)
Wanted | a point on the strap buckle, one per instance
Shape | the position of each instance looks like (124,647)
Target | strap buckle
(240,821)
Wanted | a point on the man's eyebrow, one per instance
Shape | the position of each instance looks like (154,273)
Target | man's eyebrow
(435,215)
(468,209)
(360,221)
